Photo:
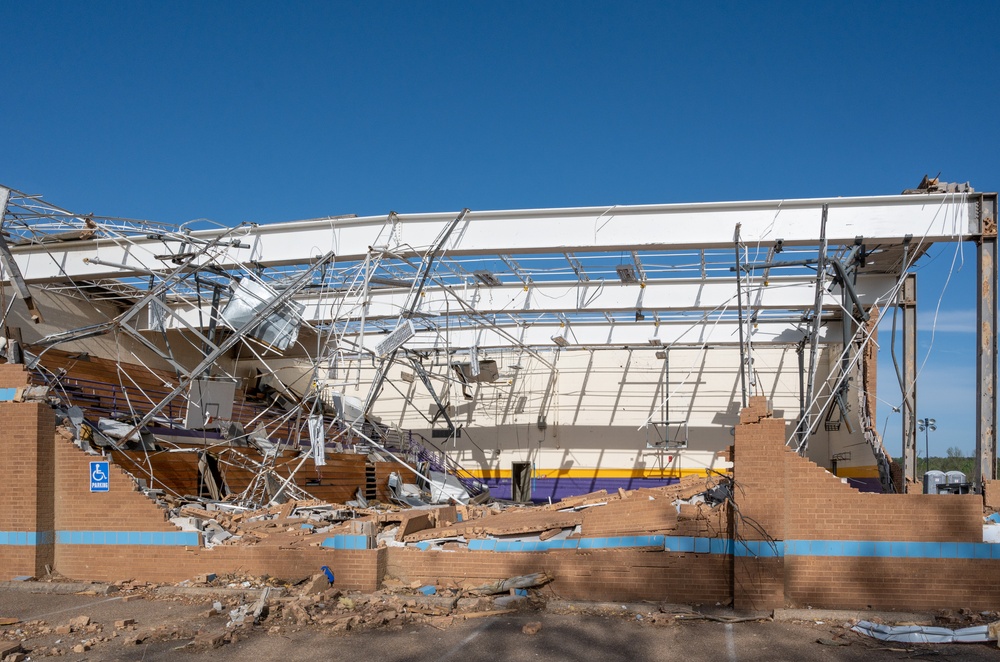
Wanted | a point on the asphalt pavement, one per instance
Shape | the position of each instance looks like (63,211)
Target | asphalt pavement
(183,628)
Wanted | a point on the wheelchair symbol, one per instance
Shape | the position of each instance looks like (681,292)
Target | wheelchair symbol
(98,476)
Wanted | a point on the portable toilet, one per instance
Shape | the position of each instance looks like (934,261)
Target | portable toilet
(955,477)
(932,479)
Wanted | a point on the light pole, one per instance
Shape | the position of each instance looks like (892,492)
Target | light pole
(925,425)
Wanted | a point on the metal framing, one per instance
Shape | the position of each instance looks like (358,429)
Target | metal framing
(523,278)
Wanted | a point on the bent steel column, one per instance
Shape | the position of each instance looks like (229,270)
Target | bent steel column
(986,345)
(908,302)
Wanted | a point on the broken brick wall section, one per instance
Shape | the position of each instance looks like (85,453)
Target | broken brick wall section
(884,551)
(121,534)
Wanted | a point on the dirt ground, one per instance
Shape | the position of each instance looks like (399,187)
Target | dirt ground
(144,625)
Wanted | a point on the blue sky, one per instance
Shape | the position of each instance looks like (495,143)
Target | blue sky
(278,111)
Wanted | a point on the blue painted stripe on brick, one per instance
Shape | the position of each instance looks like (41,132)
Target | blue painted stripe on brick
(618,542)
(25,538)
(346,541)
(138,538)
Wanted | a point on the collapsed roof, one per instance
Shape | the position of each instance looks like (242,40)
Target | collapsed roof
(805,273)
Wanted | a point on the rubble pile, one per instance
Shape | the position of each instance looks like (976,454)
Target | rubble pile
(692,507)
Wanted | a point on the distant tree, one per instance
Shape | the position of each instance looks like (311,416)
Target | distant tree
(954,460)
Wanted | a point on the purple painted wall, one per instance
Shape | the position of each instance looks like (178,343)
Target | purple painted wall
(559,488)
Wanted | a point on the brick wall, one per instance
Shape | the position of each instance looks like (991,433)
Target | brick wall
(778,496)
(121,508)
(615,575)
(26,491)
(782,496)
(13,376)
(124,508)
(357,570)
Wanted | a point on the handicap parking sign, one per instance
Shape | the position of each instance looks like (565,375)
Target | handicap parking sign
(99,476)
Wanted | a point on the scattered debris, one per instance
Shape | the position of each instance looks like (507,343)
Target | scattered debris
(923,634)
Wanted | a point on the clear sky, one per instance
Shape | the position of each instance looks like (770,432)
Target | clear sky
(276,111)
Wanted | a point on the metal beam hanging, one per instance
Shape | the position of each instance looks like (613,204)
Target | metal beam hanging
(908,302)
(806,425)
(11,266)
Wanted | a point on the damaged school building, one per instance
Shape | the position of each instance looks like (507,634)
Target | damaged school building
(660,402)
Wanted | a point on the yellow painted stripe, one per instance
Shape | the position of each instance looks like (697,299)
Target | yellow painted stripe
(495,474)
(858,472)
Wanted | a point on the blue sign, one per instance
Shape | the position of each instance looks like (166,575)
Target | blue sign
(99,476)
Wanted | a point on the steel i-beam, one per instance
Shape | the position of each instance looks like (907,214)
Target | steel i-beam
(986,346)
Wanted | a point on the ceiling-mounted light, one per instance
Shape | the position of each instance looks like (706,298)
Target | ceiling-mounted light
(639,316)
(655,342)
(661,354)
(487,278)
(560,340)
(626,274)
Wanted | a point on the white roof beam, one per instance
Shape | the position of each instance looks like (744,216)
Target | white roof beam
(783,293)
(609,335)
(882,219)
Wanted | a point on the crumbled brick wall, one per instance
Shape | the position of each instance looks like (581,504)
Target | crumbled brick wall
(991,495)
(821,507)
(783,496)
(633,516)
(121,508)
(14,375)
(779,495)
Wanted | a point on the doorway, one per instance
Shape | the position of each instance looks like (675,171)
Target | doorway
(520,482)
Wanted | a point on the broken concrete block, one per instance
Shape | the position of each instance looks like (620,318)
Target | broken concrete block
(124,623)
(210,639)
(79,622)
(15,657)
(9,648)
(319,583)
(413,522)
(510,601)
(81,648)
(532,628)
